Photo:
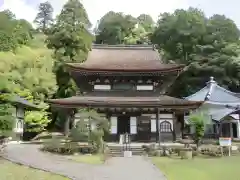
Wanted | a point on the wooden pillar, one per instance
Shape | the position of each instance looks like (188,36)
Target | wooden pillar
(179,125)
(68,118)
(157,127)
(174,130)
(220,129)
(217,130)
(231,129)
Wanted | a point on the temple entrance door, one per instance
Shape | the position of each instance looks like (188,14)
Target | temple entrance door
(144,129)
(234,129)
(123,124)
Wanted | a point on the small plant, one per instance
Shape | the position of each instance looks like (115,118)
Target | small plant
(198,121)
(36,121)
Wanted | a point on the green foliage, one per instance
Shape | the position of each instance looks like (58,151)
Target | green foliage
(198,121)
(146,21)
(13,32)
(117,28)
(36,121)
(7,42)
(71,41)
(207,46)
(6,118)
(67,148)
(28,73)
(44,18)
(6,114)
(90,128)
(80,133)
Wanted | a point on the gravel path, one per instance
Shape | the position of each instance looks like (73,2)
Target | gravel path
(117,168)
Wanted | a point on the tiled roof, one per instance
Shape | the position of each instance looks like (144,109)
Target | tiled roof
(78,101)
(124,58)
(214,93)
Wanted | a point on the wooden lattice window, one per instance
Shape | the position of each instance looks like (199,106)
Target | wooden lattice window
(165,126)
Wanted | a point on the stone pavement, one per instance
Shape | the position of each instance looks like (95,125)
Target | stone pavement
(117,168)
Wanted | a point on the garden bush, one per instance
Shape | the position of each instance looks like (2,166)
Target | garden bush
(151,149)
(68,148)
(214,151)
(77,135)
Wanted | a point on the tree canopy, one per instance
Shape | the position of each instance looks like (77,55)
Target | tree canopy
(207,46)
(44,18)
(13,32)
(70,40)
(118,28)
(25,70)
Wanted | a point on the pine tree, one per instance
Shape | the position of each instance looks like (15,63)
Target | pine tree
(71,41)
(44,18)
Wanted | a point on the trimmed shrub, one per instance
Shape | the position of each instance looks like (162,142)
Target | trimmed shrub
(68,148)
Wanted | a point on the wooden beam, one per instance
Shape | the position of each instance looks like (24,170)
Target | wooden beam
(157,127)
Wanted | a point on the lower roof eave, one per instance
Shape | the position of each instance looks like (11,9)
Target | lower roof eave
(181,107)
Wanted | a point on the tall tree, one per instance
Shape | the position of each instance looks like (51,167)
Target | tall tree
(207,46)
(13,32)
(71,41)
(114,27)
(146,21)
(44,18)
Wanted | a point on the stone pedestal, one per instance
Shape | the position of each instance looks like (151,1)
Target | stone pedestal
(186,153)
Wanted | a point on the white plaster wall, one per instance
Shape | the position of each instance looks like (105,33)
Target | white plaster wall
(113,121)
(133,125)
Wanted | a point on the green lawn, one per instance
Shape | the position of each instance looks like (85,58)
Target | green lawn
(10,171)
(199,168)
(87,159)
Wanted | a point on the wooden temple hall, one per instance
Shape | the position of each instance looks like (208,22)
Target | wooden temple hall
(128,84)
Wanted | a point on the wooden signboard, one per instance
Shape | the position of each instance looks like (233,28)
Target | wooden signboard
(225,142)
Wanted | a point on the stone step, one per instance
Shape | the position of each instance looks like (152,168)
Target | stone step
(118,150)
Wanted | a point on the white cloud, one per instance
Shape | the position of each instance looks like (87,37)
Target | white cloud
(96,8)
(20,9)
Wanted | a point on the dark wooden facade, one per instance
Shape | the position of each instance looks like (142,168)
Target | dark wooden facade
(128,84)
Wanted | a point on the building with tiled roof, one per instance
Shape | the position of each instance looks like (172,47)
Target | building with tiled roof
(127,83)
(222,106)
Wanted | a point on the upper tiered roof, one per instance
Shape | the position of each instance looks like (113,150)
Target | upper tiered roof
(124,58)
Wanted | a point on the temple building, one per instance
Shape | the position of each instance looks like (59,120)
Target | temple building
(128,85)
(222,107)
(20,107)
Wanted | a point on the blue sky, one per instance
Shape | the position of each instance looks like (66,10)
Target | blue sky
(27,9)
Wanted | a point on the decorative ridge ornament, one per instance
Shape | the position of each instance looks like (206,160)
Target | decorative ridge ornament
(211,84)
